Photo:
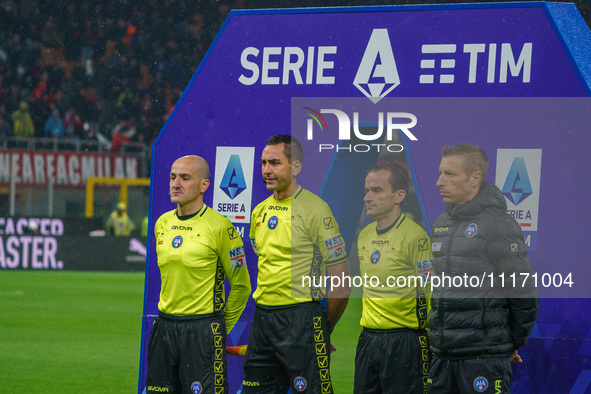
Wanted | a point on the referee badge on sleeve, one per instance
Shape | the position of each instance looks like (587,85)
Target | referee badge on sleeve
(425,268)
(237,257)
(253,242)
(335,247)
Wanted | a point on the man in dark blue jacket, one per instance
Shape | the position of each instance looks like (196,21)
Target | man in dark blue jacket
(476,322)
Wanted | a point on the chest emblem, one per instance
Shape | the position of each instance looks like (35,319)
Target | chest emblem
(273,221)
(177,241)
(471,230)
(375,257)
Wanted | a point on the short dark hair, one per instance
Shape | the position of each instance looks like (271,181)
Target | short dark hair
(475,158)
(291,146)
(398,179)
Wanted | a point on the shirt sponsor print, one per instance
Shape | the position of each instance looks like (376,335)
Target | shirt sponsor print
(425,268)
(237,257)
(253,242)
(335,247)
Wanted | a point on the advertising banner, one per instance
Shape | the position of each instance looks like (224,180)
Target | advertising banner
(65,169)
(362,85)
(64,244)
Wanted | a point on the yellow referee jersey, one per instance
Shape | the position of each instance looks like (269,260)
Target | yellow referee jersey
(195,254)
(295,239)
(395,257)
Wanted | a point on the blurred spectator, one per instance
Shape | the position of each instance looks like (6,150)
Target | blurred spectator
(4,131)
(22,123)
(50,37)
(119,224)
(54,126)
(90,141)
(115,59)
(72,123)
(41,89)
(121,136)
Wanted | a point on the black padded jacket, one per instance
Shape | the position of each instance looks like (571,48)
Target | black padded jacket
(475,309)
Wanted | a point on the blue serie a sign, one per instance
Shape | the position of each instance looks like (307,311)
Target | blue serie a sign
(366,84)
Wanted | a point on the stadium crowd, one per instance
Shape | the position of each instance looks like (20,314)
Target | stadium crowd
(110,71)
(78,69)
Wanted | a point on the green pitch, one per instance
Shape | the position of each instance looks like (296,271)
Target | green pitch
(344,338)
(70,332)
(80,332)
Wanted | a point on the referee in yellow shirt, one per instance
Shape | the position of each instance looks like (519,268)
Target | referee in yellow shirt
(392,353)
(295,236)
(197,249)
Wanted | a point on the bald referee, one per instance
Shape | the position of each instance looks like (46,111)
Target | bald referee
(197,249)
(295,236)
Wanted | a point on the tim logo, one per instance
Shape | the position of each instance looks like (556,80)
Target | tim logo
(517,186)
(233,182)
(377,74)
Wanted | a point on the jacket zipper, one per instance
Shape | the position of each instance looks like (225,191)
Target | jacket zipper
(451,237)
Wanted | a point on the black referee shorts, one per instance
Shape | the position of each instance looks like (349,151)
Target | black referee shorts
(471,375)
(187,355)
(392,361)
(289,347)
